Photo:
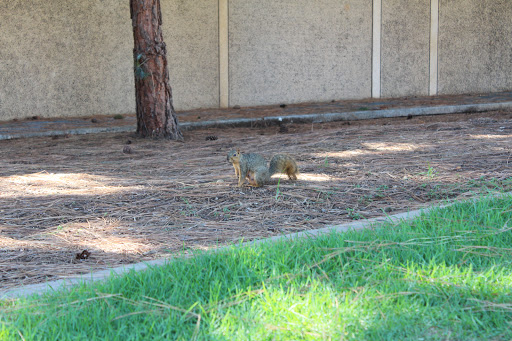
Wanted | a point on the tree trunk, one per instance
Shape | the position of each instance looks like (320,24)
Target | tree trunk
(156,117)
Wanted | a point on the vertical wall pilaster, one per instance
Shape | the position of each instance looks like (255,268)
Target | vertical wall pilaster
(376,48)
(434,34)
(224,53)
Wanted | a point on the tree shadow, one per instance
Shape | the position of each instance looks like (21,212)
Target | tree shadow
(165,197)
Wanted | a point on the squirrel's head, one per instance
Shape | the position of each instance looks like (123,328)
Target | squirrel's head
(234,156)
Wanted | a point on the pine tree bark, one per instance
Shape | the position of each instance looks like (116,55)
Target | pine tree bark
(156,117)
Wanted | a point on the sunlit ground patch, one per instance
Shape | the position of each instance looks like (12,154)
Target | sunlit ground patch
(46,184)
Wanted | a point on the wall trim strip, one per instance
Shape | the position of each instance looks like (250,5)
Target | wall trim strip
(376,48)
(434,36)
(223,53)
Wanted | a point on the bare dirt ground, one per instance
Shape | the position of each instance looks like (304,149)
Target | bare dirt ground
(61,196)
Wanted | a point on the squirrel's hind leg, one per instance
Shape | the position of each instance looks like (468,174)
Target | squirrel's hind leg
(252,179)
(291,172)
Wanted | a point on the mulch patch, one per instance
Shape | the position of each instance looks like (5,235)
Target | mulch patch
(70,205)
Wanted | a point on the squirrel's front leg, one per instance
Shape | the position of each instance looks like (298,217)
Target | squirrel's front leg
(242,172)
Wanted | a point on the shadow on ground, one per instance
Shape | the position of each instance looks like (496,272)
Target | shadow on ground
(60,196)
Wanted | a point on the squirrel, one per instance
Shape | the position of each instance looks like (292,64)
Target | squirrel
(254,167)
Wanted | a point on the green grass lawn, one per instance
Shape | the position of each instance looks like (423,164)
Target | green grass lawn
(446,275)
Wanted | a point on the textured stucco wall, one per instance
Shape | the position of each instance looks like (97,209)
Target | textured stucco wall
(475,46)
(290,51)
(405,47)
(74,58)
(190,29)
(61,58)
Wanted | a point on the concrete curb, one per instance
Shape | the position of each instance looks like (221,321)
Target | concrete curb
(354,115)
(79,131)
(118,271)
(104,274)
(311,118)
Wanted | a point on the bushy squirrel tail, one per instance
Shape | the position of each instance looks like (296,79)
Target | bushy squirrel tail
(282,163)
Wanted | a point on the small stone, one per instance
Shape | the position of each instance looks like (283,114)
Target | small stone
(83,255)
